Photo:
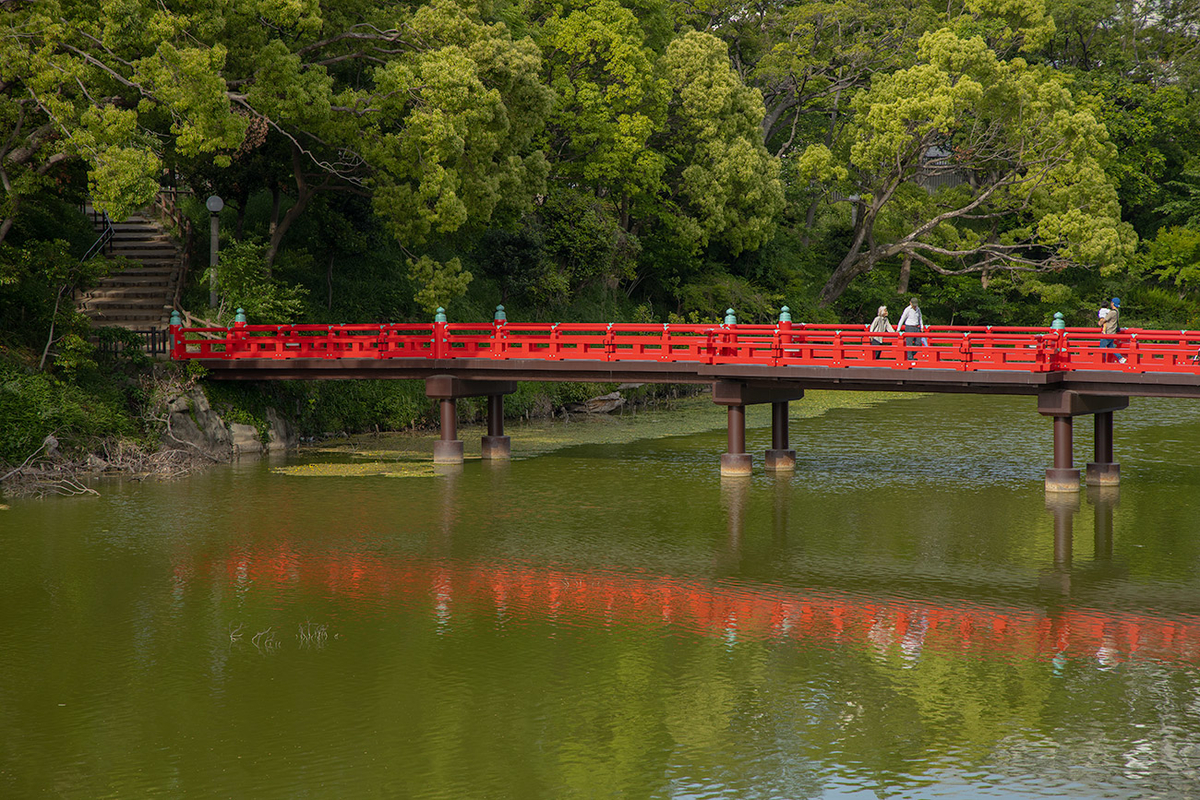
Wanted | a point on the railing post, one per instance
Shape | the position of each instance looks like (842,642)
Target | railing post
(438,348)
(177,348)
(728,336)
(1062,351)
(499,334)
(783,334)
(235,335)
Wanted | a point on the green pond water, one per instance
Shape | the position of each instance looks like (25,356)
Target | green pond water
(908,615)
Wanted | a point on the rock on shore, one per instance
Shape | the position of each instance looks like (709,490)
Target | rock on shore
(193,425)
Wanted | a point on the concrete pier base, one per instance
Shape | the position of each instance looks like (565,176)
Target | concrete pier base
(780,460)
(1062,480)
(447,451)
(496,448)
(1103,474)
(736,465)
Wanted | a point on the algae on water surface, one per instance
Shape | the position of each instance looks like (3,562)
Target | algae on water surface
(407,455)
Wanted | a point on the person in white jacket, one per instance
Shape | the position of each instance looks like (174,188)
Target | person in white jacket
(911,320)
(881,324)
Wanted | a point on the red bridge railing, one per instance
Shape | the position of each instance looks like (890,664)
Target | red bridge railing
(962,348)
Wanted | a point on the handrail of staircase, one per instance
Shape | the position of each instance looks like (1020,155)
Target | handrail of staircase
(106,235)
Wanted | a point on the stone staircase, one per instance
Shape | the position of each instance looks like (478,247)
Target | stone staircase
(142,295)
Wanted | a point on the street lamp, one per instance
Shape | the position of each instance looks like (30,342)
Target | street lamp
(214,205)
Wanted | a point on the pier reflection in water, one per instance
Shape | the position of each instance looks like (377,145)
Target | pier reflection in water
(618,620)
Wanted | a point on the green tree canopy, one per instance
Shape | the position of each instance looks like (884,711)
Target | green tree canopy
(1025,158)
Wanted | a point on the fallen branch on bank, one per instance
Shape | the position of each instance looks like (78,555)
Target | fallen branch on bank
(63,476)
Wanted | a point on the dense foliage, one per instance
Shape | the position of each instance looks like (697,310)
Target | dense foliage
(612,159)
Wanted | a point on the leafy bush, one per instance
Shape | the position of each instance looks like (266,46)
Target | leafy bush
(244,281)
(34,405)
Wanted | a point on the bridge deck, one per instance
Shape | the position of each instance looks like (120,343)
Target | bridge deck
(1015,361)
(845,378)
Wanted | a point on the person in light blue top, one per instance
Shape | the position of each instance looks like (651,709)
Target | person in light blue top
(911,320)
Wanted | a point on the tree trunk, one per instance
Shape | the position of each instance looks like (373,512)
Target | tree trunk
(304,194)
(329,284)
(53,319)
(905,270)
(851,267)
(855,262)
(274,223)
(810,218)
(239,229)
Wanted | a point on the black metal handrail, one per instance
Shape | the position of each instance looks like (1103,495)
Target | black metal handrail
(151,341)
(101,244)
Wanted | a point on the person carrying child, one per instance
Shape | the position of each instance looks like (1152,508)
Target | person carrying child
(1110,325)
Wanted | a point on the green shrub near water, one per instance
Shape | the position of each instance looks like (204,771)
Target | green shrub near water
(79,413)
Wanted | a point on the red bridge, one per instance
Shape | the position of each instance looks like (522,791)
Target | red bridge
(1069,370)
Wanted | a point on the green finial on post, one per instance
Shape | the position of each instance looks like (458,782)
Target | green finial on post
(440,316)
(240,316)
(785,314)
(730,317)
(500,315)
(176,320)
(1059,323)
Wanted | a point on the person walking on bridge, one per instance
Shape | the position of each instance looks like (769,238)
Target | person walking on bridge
(911,320)
(881,324)
(1110,325)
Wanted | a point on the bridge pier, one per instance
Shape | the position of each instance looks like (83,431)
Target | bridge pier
(448,449)
(736,396)
(446,389)
(495,446)
(1063,407)
(779,458)
(1103,471)
(1063,477)
(736,462)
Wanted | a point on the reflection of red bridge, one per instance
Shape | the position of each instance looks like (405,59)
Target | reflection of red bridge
(1069,370)
(597,599)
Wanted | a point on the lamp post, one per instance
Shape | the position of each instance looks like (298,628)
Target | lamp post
(214,205)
